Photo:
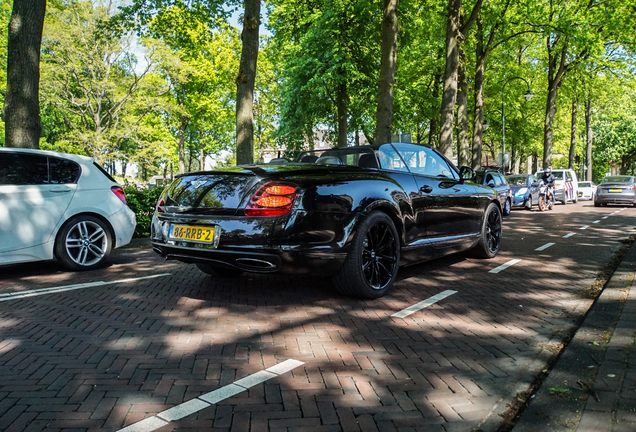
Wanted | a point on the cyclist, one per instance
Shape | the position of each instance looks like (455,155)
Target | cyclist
(548,179)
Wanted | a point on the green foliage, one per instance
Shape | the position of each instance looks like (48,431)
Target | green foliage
(322,48)
(5,16)
(142,202)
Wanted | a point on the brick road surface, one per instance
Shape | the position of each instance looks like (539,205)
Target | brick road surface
(107,357)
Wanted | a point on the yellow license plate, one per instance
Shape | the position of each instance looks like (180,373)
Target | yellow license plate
(192,233)
(616,190)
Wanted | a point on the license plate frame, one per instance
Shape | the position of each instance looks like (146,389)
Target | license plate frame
(192,233)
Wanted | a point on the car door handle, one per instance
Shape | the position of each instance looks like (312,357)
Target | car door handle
(59,190)
(426,189)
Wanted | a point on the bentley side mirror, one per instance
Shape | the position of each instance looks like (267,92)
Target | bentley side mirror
(466,173)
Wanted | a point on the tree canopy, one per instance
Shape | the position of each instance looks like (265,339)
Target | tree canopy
(168,85)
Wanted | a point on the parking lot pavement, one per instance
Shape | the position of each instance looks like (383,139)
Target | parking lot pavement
(146,344)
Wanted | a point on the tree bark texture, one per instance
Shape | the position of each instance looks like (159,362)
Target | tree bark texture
(478,131)
(341,102)
(390,29)
(449,95)
(573,135)
(589,138)
(433,134)
(22,105)
(245,81)
(556,72)
(463,133)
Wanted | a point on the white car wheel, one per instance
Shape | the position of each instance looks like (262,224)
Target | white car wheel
(83,243)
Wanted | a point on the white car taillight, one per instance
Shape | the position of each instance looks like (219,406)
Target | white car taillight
(119,191)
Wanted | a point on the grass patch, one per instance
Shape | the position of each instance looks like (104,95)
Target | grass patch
(559,392)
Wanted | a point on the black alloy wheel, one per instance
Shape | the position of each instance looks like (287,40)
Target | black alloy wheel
(372,261)
(490,237)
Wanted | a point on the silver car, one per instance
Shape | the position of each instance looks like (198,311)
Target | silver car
(619,189)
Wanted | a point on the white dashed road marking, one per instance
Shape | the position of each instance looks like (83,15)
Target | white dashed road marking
(505,266)
(43,291)
(569,235)
(604,217)
(204,401)
(585,227)
(545,246)
(596,221)
(423,304)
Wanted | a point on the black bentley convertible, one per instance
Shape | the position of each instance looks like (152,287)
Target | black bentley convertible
(356,213)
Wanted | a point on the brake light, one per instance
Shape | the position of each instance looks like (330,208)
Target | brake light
(272,199)
(119,191)
(159,206)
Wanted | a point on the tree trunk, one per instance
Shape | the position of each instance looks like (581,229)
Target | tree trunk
(245,81)
(556,73)
(573,135)
(182,128)
(449,95)
(433,137)
(384,116)
(480,68)
(341,102)
(589,138)
(550,112)
(22,104)
(463,140)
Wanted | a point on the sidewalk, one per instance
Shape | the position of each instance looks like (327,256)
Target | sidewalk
(592,386)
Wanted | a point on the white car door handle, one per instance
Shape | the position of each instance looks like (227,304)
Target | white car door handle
(60,190)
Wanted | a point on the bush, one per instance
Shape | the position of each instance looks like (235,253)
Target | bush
(142,202)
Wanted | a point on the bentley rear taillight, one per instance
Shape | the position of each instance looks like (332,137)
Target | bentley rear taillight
(159,207)
(272,199)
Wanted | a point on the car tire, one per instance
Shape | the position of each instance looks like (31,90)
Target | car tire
(83,243)
(597,204)
(223,272)
(372,261)
(507,208)
(529,203)
(576,199)
(490,236)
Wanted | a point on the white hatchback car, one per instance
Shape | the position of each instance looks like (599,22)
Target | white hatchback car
(60,206)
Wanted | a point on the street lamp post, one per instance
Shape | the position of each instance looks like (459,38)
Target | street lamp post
(528,95)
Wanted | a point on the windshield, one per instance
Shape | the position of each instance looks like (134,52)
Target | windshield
(585,184)
(617,179)
(517,180)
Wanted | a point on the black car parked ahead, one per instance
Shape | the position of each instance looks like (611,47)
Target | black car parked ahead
(497,181)
(356,213)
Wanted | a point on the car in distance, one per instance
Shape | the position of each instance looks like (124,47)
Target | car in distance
(565,185)
(496,180)
(587,190)
(525,190)
(619,189)
(356,213)
(60,206)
